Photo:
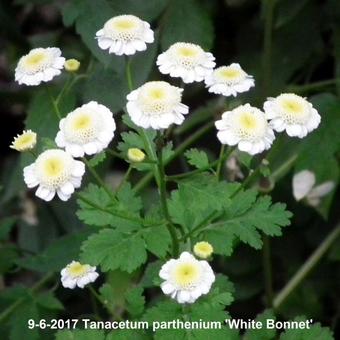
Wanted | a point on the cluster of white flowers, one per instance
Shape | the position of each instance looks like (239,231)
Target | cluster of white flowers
(157,104)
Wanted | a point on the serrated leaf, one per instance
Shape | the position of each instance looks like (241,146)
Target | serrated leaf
(315,332)
(264,333)
(135,301)
(95,160)
(244,218)
(98,209)
(151,277)
(157,240)
(112,249)
(197,158)
(198,197)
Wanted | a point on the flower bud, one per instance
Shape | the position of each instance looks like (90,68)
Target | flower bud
(24,142)
(203,249)
(136,155)
(72,65)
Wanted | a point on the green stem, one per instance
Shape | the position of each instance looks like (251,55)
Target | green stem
(98,179)
(313,86)
(128,73)
(66,85)
(8,311)
(202,225)
(125,178)
(306,268)
(54,104)
(162,193)
(150,152)
(115,154)
(220,162)
(184,145)
(267,271)
(95,297)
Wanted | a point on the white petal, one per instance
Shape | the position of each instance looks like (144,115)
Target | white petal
(322,189)
(303,183)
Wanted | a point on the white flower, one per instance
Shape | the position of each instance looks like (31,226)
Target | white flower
(76,274)
(187,61)
(229,80)
(247,127)
(54,171)
(40,64)
(87,130)
(24,142)
(203,249)
(186,278)
(292,113)
(156,104)
(125,34)
(303,187)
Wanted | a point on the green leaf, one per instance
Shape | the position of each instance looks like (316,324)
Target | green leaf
(112,249)
(97,159)
(146,10)
(197,158)
(111,89)
(8,257)
(6,225)
(264,333)
(96,208)
(197,198)
(77,11)
(151,277)
(87,334)
(316,332)
(49,301)
(135,301)
(158,240)
(112,292)
(41,117)
(187,21)
(127,334)
(57,255)
(246,216)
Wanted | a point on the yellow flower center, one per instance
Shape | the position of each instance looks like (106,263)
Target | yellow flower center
(248,121)
(186,274)
(157,94)
(158,97)
(292,106)
(35,60)
(230,73)
(54,167)
(124,24)
(76,269)
(82,122)
(187,51)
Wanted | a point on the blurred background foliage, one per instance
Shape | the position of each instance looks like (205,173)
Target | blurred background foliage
(300,54)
